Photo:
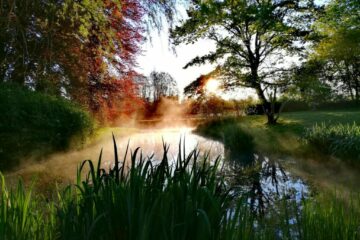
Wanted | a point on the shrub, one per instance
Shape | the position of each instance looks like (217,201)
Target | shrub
(30,121)
(341,140)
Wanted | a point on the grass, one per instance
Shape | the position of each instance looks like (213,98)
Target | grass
(24,216)
(181,199)
(341,140)
(285,138)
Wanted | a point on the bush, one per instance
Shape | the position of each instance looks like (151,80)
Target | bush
(258,109)
(295,106)
(341,140)
(30,121)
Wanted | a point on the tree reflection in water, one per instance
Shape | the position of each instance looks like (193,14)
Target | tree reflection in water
(261,180)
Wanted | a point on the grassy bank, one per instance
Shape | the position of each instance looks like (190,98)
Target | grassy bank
(35,124)
(283,138)
(184,200)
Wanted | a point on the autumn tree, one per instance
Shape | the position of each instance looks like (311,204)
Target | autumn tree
(254,41)
(77,49)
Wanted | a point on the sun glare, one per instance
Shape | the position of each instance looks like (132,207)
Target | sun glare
(212,86)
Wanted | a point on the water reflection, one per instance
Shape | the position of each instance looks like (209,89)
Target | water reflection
(151,143)
(263,181)
(261,178)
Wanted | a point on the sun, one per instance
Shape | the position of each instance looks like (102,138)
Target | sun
(212,85)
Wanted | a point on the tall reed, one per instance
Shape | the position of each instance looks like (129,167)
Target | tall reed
(341,140)
(23,216)
(180,200)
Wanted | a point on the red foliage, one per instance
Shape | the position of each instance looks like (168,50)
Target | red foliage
(117,96)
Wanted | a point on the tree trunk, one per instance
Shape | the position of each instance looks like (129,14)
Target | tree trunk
(271,119)
(270,113)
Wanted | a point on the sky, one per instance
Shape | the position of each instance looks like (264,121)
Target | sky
(158,55)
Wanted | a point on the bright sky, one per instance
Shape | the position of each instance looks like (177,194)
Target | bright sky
(160,57)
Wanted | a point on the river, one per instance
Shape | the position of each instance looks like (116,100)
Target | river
(263,179)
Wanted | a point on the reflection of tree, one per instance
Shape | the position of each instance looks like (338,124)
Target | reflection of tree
(255,176)
(258,178)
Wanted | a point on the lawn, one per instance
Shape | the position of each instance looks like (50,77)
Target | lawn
(286,136)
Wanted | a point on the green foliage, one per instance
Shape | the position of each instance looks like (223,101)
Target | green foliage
(252,39)
(342,140)
(309,84)
(230,133)
(339,46)
(330,217)
(30,121)
(292,105)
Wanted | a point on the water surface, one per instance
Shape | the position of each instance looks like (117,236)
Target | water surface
(259,177)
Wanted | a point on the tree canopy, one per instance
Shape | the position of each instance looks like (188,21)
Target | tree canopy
(254,40)
(339,46)
(77,49)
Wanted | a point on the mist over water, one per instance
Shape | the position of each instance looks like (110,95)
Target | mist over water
(171,125)
(265,181)
(149,140)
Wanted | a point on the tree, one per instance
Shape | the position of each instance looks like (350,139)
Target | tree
(78,49)
(254,40)
(339,47)
(163,85)
(196,89)
(310,84)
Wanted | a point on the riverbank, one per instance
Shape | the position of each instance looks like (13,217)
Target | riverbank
(285,141)
(285,137)
(266,198)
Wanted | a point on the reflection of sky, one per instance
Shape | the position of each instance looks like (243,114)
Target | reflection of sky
(288,185)
(150,142)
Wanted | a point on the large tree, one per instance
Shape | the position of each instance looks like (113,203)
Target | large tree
(83,49)
(255,40)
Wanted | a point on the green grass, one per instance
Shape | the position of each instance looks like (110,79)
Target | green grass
(184,200)
(35,124)
(285,138)
(341,140)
